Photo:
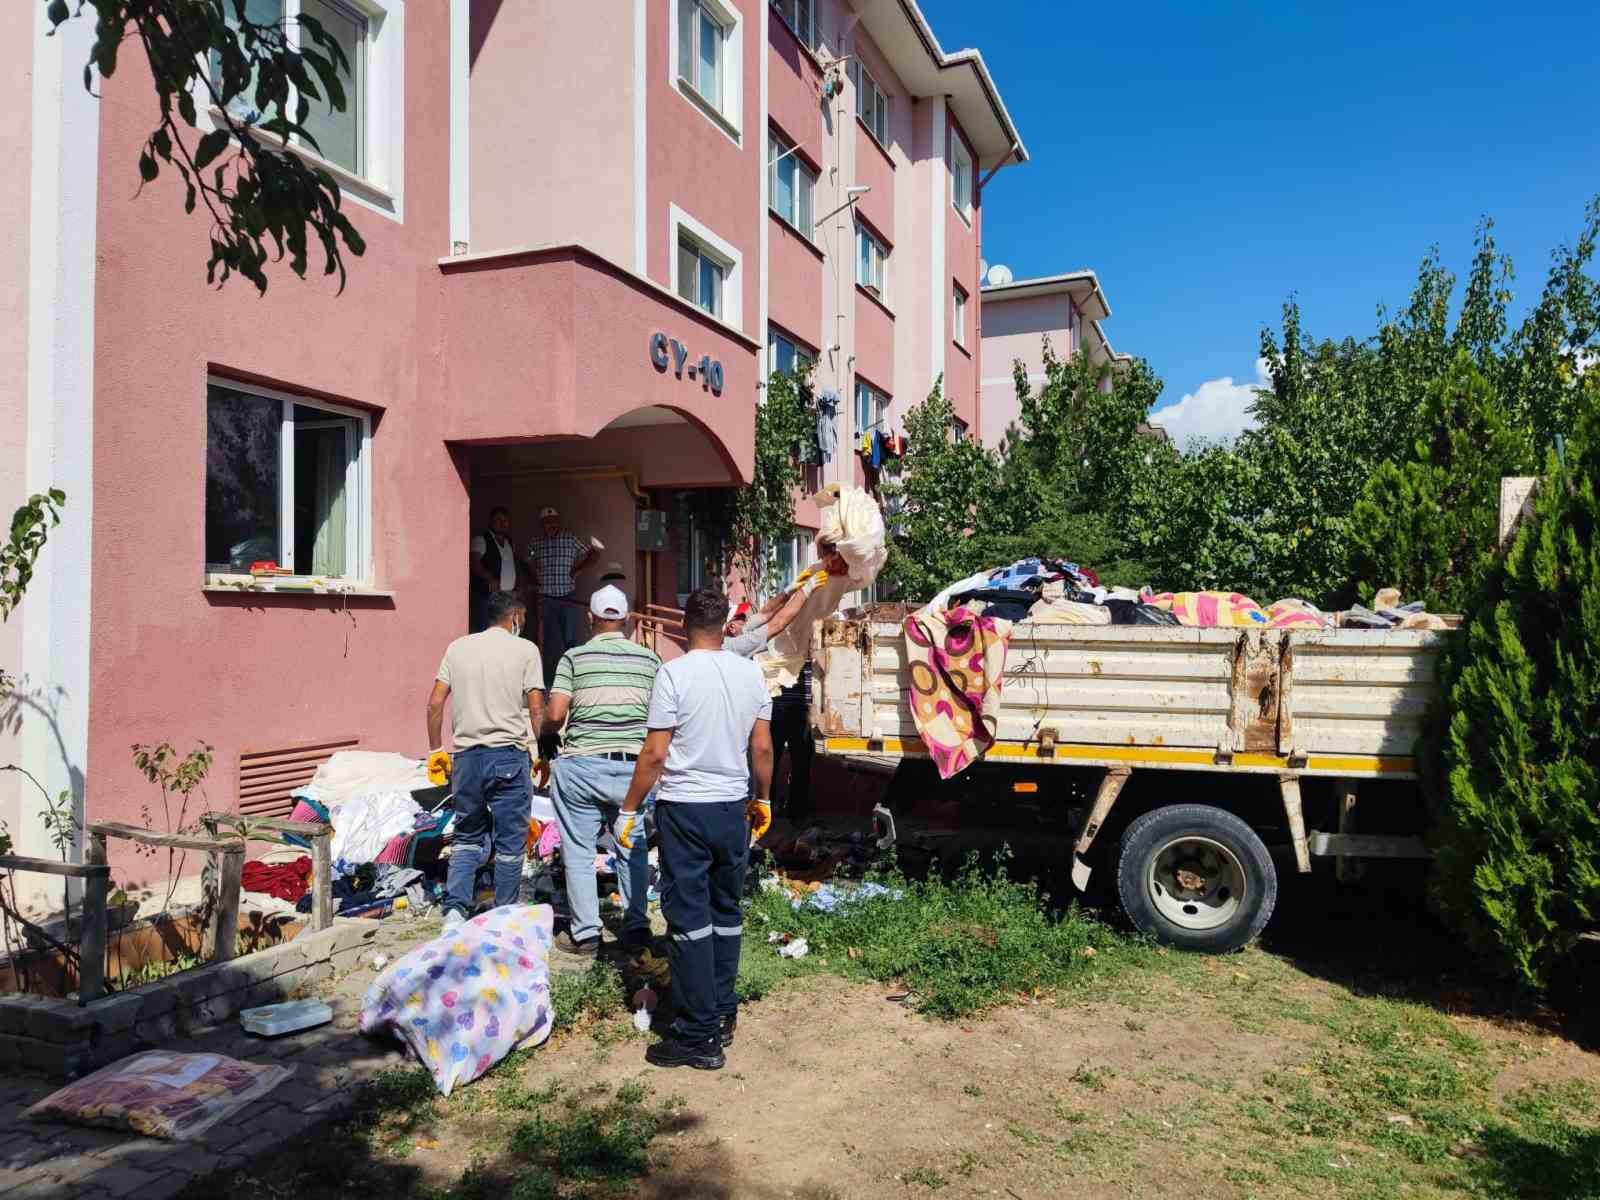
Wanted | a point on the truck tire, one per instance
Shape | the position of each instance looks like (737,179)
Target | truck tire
(1196,877)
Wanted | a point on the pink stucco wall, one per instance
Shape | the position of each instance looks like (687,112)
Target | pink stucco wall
(795,297)
(794,88)
(694,163)
(1014,329)
(553,147)
(559,341)
(169,660)
(961,265)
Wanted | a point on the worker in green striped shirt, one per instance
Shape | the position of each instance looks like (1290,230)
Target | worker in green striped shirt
(602,693)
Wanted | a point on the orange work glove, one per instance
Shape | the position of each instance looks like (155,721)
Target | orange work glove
(760,813)
(439,767)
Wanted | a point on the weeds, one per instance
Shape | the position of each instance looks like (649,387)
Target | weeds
(962,945)
(580,997)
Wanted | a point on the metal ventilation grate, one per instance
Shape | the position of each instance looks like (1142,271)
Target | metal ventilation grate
(266,777)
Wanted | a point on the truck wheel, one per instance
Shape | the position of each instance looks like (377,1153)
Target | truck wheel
(1196,877)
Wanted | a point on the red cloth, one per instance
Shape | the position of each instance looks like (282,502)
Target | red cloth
(287,881)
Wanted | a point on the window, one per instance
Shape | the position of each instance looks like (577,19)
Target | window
(790,184)
(338,137)
(286,482)
(958,430)
(872,106)
(791,555)
(960,177)
(872,262)
(800,16)
(871,404)
(959,317)
(1074,329)
(785,355)
(701,276)
(702,51)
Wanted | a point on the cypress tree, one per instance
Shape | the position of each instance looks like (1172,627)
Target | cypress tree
(1513,766)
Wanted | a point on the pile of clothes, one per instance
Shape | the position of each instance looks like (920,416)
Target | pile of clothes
(956,644)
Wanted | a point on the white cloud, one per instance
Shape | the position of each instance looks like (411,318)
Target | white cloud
(1217,411)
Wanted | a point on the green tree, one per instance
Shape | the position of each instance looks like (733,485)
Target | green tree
(265,202)
(1513,760)
(763,514)
(946,490)
(1427,525)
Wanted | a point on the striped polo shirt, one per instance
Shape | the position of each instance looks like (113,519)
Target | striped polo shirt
(609,680)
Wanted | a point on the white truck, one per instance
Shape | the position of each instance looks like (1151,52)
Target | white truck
(1297,724)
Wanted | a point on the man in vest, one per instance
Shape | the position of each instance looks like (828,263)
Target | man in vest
(494,567)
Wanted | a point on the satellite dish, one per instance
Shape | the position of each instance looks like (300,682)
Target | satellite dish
(999,275)
(983,270)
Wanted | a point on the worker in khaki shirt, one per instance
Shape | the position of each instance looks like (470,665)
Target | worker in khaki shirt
(494,683)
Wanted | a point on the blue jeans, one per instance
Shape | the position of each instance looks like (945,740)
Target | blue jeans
(493,800)
(705,850)
(588,792)
(560,632)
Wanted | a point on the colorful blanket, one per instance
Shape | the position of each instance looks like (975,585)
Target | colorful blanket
(958,662)
(1212,610)
(465,1000)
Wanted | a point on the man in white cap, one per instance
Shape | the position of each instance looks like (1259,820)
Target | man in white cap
(556,558)
(602,693)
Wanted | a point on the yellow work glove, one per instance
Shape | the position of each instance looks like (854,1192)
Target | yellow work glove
(439,767)
(628,829)
(760,814)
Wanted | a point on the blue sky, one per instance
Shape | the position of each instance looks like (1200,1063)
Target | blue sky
(1208,160)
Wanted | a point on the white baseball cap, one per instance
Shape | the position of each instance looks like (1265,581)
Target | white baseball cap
(609,604)
(547,512)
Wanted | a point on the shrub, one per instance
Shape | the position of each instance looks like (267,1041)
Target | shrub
(1512,766)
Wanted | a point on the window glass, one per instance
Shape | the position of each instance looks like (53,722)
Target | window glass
(710,59)
(871,271)
(710,286)
(325,446)
(797,16)
(960,176)
(872,106)
(870,406)
(960,317)
(243,503)
(259,12)
(688,270)
(338,134)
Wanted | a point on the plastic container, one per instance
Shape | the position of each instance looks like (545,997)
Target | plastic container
(275,1020)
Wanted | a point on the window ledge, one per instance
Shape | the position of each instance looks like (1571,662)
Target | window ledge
(788,227)
(237,585)
(358,186)
(873,138)
(867,292)
(718,118)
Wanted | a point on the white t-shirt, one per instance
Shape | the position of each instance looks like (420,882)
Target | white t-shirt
(508,560)
(711,700)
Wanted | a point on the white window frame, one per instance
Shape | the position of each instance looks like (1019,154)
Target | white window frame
(801,546)
(782,153)
(874,106)
(962,181)
(958,430)
(380,184)
(868,395)
(799,350)
(805,30)
(358,481)
(877,281)
(1074,329)
(958,314)
(723,111)
(720,251)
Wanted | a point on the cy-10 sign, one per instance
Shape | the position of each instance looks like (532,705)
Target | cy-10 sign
(670,352)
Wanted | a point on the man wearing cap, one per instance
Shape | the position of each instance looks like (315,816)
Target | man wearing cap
(614,574)
(556,558)
(602,692)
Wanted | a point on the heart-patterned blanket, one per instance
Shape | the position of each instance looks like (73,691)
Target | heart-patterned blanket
(465,1000)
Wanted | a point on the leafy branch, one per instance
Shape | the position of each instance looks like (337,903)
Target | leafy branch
(260,84)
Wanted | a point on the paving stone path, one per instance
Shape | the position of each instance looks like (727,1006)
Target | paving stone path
(41,1161)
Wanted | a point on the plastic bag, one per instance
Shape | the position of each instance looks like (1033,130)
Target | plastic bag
(465,1000)
(161,1094)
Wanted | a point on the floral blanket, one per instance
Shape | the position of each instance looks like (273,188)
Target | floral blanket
(958,662)
(465,1000)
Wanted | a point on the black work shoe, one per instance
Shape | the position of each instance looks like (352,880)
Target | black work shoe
(670,1052)
(638,939)
(729,1024)
(587,948)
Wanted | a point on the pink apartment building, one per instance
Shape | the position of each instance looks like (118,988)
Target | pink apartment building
(1017,317)
(592,231)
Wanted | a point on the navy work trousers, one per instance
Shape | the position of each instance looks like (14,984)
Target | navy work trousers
(705,850)
(493,799)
